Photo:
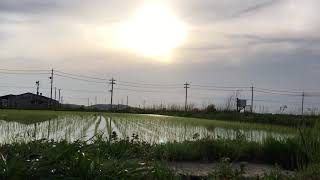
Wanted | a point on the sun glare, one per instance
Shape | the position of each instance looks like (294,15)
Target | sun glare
(153,31)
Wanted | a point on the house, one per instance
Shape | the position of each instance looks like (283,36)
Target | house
(27,101)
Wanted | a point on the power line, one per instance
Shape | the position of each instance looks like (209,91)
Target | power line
(24,73)
(72,90)
(86,91)
(24,70)
(83,76)
(149,84)
(221,87)
(277,93)
(80,79)
(146,91)
(281,91)
(147,87)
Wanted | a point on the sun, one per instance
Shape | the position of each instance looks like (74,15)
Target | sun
(153,31)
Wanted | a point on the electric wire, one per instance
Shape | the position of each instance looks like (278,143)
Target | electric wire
(83,76)
(80,79)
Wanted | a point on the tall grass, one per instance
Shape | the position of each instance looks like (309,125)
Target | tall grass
(45,159)
(309,144)
(135,159)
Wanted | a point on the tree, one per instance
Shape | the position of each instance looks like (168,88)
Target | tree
(211,108)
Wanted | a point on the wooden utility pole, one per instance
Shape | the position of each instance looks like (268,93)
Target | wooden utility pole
(251,99)
(186,86)
(302,103)
(112,82)
(51,78)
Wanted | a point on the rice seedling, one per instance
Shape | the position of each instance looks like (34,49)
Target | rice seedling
(127,146)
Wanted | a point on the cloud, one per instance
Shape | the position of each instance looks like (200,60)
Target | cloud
(256,7)
(272,43)
(28,6)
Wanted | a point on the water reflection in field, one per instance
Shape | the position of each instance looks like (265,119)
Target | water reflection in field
(153,130)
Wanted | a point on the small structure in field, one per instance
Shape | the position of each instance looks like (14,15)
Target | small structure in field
(27,101)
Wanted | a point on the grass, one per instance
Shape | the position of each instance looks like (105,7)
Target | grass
(275,119)
(43,159)
(33,116)
(135,159)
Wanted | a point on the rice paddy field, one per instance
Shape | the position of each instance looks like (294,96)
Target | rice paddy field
(24,126)
(55,144)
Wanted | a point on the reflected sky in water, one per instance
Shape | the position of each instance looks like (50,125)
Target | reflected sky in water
(152,130)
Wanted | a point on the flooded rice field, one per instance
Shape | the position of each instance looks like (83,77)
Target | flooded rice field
(150,128)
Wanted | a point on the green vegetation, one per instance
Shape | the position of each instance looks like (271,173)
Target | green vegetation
(212,113)
(275,119)
(43,159)
(33,116)
(133,158)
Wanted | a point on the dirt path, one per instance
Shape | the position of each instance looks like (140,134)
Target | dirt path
(198,169)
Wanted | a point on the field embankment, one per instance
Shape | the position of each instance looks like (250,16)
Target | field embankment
(33,116)
(275,119)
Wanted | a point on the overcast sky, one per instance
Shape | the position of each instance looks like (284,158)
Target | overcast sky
(268,43)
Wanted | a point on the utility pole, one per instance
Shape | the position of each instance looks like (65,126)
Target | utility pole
(59,95)
(127,101)
(55,93)
(37,84)
(60,98)
(251,99)
(88,102)
(302,104)
(95,100)
(186,86)
(112,82)
(51,78)
(237,103)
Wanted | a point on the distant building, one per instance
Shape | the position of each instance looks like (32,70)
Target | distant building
(26,101)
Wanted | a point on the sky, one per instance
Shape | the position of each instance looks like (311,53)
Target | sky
(272,44)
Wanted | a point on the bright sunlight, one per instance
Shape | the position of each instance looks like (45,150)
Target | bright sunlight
(153,31)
